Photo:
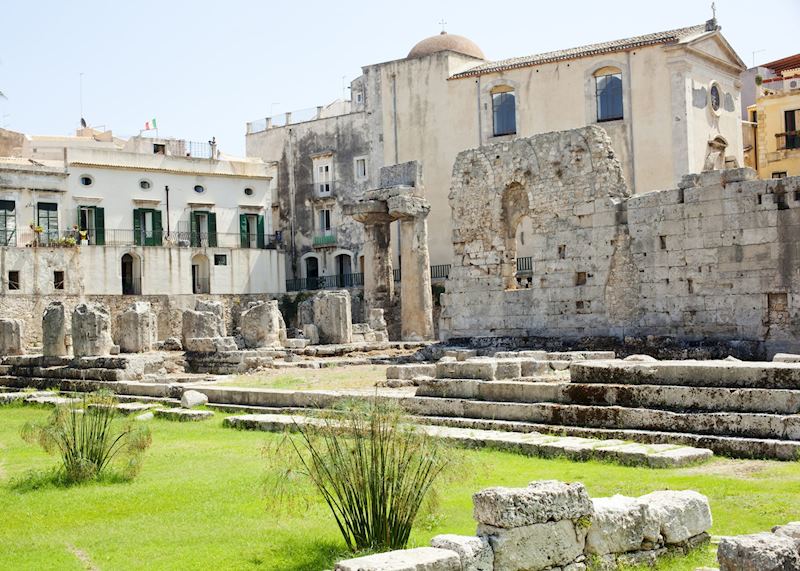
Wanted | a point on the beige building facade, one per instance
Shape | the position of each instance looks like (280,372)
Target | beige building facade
(670,102)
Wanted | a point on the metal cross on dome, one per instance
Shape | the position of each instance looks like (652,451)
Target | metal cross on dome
(443,23)
(714,10)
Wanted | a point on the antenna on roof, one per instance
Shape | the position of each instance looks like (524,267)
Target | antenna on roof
(713,10)
(83,123)
(80,79)
(443,23)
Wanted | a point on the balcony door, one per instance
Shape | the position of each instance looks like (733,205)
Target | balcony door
(8,223)
(47,219)
(91,220)
(147,227)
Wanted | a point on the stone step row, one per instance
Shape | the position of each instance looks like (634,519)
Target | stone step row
(68,373)
(661,397)
(733,374)
(105,362)
(533,444)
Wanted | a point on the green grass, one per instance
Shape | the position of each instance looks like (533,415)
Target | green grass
(199,503)
(326,378)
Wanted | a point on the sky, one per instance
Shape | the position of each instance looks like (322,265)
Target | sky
(205,68)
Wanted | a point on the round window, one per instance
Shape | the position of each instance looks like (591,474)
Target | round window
(86,180)
(248,191)
(199,189)
(715,95)
(144,184)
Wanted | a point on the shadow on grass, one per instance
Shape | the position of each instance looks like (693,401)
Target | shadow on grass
(302,554)
(34,480)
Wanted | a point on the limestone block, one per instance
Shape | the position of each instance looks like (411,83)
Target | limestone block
(12,335)
(137,328)
(475,553)
(261,324)
(376,320)
(482,369)
(171,344)
(758,552)
(330,311)
(191,399)
(215,307)
(182,414)
(786,358)
(682,514)
(311,333)
(54,329)
(210,344)
(410,371)
(535,547)
(543,501)
(200,324)
(418,559)
(91,330)
(620,524)
(791,529)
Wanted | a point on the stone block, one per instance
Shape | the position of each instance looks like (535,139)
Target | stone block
(681,514)
(91,330)
(311,333)
(191,399)
(475,553)
(620,524)
(376,320)
(215,307)
(535,547)
(791,529)
(137,328)
(786,358)
(330,311)
(418,559)
(543,501)
(200,324)
(296,343)
(410,371)
(210,344)
(262,324)
(481,369)
(54,330)
(758,552)
(182,414)
(12,336)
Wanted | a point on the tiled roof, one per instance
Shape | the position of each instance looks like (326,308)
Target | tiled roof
(671,36)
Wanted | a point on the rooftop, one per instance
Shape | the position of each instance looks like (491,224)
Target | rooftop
(446,42)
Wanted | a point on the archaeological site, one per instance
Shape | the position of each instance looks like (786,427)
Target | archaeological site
(531,314)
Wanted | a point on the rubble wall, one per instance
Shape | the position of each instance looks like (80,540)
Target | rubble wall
(715,259)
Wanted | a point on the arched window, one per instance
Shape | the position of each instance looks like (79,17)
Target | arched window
(504,112)
(608,85)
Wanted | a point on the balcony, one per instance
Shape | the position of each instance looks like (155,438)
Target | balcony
(351,280)
(788,140)
(321,190)
(325,238)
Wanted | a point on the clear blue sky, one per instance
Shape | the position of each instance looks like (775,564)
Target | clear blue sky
(205,68)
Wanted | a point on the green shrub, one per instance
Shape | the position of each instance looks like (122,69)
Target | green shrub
(87,439)
(373,469)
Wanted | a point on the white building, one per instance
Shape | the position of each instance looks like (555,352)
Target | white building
(98,215)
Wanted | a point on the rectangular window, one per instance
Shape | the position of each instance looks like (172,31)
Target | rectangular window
(8,223)
(323,178)
(220,260)
(58,279)
(580,278)
(147,229)
(662,240)
(251,230)
(47,219)
(91,225)
(781,174)
(504,113)
(13,280)
(361,169)
(754,116)
(791,119)
(609,97)
(325,220)
(562,251)
(159,149)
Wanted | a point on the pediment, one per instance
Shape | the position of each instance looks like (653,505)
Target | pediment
(716,49)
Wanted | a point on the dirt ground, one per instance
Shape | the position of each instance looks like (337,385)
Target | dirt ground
(327,378)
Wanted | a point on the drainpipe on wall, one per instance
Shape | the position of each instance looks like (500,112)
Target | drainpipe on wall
(166,191)
(290,167)
(630,124)
(478,101)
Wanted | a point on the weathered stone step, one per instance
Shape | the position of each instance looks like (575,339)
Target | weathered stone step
(68,373)
(534,444)
(662,397)
(735,374)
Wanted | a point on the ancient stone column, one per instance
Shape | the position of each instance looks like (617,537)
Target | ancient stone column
(378,274)
(12,336)
(54,325)
(416,298)
(91,331)
(137,328)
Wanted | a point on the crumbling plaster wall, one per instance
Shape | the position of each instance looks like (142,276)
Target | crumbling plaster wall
(714,259)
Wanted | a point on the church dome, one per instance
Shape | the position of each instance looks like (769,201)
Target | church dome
(446,42)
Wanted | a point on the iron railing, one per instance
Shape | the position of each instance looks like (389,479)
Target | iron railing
(525,264)
(323,238)
(788,140)
(440,272)
(351,280)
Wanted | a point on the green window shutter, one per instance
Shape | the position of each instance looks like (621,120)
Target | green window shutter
(243,238)
(157,230)
(194,236)
(99,226)
(212,229)
(137,227)
(260,237)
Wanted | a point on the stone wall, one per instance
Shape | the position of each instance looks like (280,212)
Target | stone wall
(715,259)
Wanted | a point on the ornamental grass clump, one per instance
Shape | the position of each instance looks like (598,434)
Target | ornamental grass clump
(372,468)
(89,441)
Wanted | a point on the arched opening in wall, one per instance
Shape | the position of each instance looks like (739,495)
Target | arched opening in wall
(312,272)
(715,154)
(608,94)
(201,276)
(515,208)
(130,271)
(504,111)
(344,270)
(526,239)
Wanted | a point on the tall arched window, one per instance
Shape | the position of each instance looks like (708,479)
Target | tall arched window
(504,112)
(608,85)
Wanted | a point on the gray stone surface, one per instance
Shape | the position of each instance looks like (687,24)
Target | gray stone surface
(12,336)
(215,307)
(540,502)
(330,311)
(311,333)
(54,330)
(191,399)
(262,325)
(758,552)
(620,524)
(182,414)
(418,559)
(786,358)
(137,328)
(682,514)
(474,552)
(199,324)
(535,547)
(91,330)
(791,529)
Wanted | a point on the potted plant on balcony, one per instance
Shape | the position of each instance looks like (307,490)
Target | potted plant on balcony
(83,235)
(37,231)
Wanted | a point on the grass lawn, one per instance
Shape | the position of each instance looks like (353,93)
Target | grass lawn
(350,377)
(200,503)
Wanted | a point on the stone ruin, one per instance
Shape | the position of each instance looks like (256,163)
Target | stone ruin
(551,525)
(203,329)
(326,318)
(12,332)
(91,331)
(400,197)
(262,325)
(713,260)
(137,329)
(776,551)
(54,330)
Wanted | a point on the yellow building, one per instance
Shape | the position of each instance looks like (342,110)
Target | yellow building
(773,141)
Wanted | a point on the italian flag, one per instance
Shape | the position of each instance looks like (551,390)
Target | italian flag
(151,124)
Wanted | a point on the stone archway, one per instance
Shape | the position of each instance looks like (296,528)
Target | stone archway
(201,275)
(130,272)
(515,207)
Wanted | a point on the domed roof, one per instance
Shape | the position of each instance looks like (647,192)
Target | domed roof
(444,42)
